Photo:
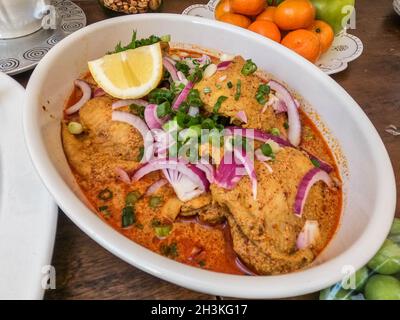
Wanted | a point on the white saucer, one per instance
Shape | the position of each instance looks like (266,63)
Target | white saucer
(24,53)
(345,48)
(28,215)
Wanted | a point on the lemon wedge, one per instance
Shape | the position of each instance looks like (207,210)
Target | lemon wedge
(129,74)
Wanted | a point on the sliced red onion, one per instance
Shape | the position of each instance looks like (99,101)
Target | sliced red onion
(322,164)
(151,118)
(256,135)
(308,235)
(201,174)
(205,59)
(86,94)
(171,69)
(242,267)
(241,115)
(193,111)
(170,60)
(155,187)
(186,181)
(127,102)
(223,65)
(294,132)
(164,141)
(194,253)
(311,178)
(280,106)
(181,76)
(182,96)
(208,169)
(140,125)
(248,164)
(122,175)
(98,92)
(227,175)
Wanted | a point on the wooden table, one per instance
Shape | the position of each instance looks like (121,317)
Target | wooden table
(87,271)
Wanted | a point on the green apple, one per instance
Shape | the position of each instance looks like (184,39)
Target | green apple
(335,12)
(387,259)
(380,287)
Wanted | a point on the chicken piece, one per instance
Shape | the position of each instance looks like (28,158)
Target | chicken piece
(247,101)
(171,209)
(104,145)
(260,261)
(268,223)
(196,203)
(213,214)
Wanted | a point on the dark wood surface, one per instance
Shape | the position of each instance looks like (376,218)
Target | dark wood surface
(87,271)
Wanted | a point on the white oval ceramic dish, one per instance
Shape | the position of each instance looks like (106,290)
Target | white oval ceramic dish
(369,184)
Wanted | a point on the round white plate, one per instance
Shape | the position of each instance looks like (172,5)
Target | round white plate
(344,49)
(28,215)
(24,53)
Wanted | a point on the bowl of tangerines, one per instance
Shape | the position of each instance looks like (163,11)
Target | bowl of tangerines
(307,27)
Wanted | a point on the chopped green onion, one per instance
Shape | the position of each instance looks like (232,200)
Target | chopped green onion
(132,197)
(138,110)
(263,93)
(155,202)
(182,67)
(128,216)
(75,127)
(267,150)
(155,223)
(275,132)
(249,68)
(160,95)
(218,86)
(316,163)
(104,210)
(169,250)
(196,76)
(193,99)
(286,125)
(238,90)
(166,38)
(219,102)
(177,88)
(171,126)
(207,90)
(163,231)
(202,263)
(105,194)
(230,85)
(164,109)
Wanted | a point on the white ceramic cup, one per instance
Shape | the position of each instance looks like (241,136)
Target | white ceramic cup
(21,17)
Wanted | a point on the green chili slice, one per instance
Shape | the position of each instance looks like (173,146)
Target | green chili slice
(128,216)
(238,90)
(105,194)
(219,103)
